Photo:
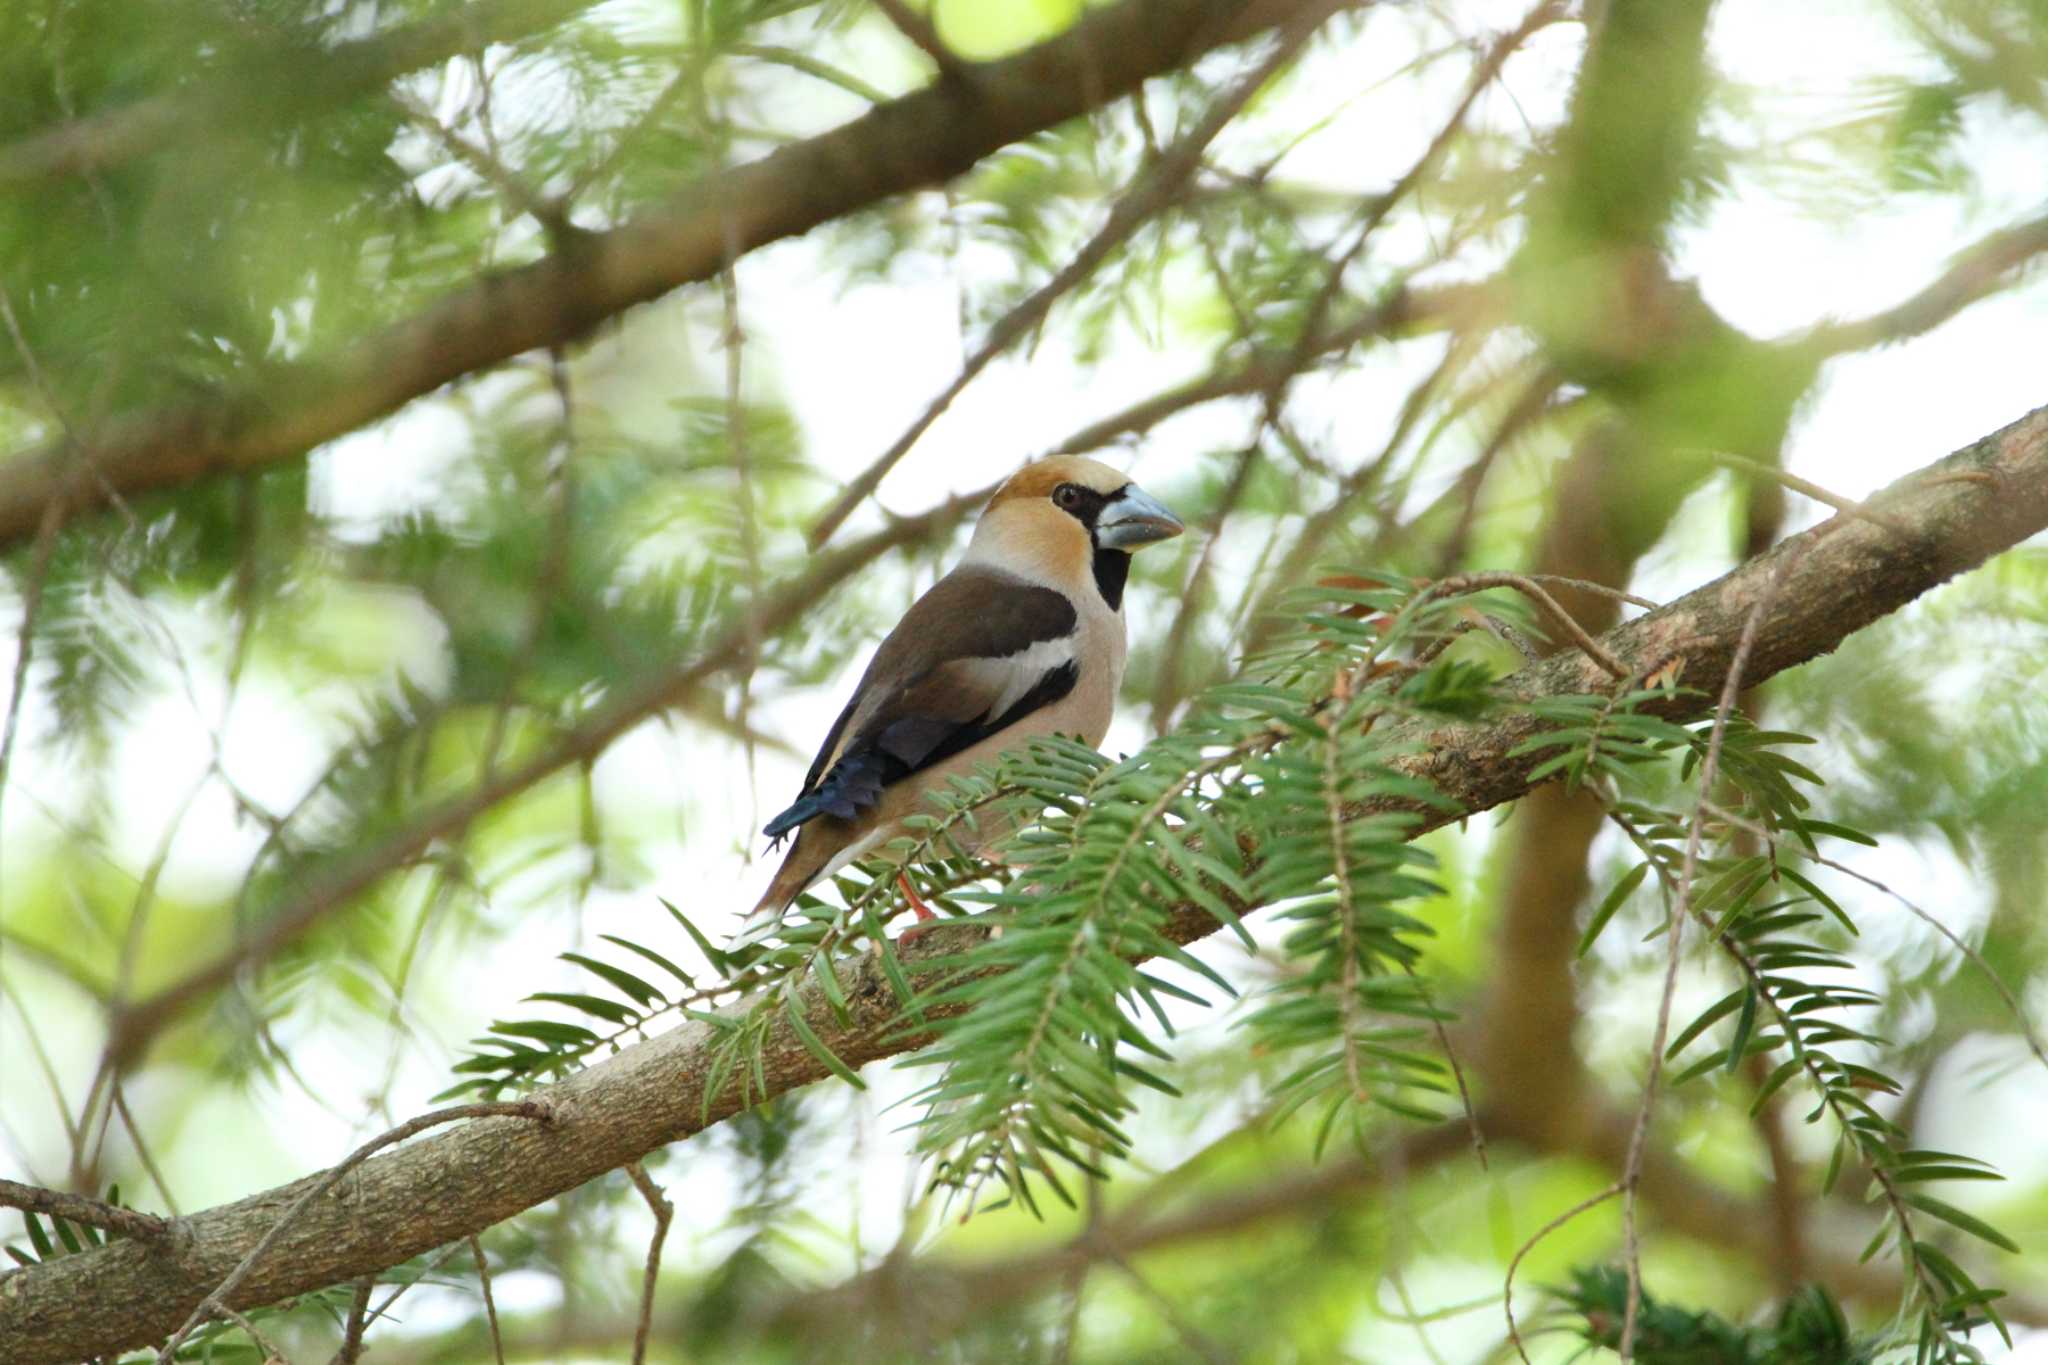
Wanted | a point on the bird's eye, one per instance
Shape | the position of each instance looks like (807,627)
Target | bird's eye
(1067,496)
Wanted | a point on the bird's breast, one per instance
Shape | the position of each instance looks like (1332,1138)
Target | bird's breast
(1099,652)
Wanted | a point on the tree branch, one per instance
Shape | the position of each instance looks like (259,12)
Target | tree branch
(1986,267)
(922,139)
(79,1209)
(1833,580)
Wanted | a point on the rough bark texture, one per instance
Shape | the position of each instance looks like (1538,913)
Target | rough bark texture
(1838,578)
(922,139)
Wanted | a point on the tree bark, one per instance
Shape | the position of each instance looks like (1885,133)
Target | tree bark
(1837,578)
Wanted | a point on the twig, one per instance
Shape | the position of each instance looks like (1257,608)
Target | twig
(1538,399)
(1507,1289)
(217,1300)
(921,139)
(1788,1259)
(1587,585)
(1632,1174)
(271,1355)
(1192,1337)
(1335,513)
(663,1211)
(77,1208)
(1419,310)
(1167,691)
(1957,941)
(1378,207)
(920,31)
(551,215)
(733,340)
(133,1025)
(1152,194)
(651,1094)
(483,1279)
(1522,583)
(1848,506)
(441,1258)
(73,1128)
(351,1349)
(1977,272)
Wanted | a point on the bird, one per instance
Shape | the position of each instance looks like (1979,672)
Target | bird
(1023,638)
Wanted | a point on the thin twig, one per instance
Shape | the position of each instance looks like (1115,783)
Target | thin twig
(663,1210)
(1379,206)
(483,1279)
(441,1258)
(1167,692)
(271,1355)
(1507,1290)
(1787,1202)
(1522,583)
(1417,310)
(1959,943)
(486,165)
(76,1208)
(1587,585)
(73,1128)
(1152,194)
(1192,1337)
(920,31)
(1846,506)
(217,1300)
(351,1349)
(1709,769)
(734,340)
(134,1024)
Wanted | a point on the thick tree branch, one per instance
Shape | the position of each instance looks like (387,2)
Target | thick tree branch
(1835,579)
(922,139)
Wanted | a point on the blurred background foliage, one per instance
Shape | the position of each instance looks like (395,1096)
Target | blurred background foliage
(310,770)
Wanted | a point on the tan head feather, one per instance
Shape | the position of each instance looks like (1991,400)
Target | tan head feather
(1023,533)
(1039,478)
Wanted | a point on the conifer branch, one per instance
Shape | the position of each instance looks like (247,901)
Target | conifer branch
(1830,582)
(922,139)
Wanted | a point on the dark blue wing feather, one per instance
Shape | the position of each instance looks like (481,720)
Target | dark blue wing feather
(905,744)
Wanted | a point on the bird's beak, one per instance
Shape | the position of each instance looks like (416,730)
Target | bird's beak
(1133,518)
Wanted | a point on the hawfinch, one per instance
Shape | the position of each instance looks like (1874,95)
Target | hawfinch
(1024,637)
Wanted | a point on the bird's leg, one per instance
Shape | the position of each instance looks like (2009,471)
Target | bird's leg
(917,906)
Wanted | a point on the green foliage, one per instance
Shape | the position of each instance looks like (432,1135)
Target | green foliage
(1810,1329)
(1542,357)
(1766,919)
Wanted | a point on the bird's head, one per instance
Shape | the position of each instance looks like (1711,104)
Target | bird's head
(1066,520)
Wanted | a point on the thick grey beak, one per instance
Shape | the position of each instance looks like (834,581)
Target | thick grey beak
(1133,518)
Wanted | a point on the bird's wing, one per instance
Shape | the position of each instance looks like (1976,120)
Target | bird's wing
(972,657)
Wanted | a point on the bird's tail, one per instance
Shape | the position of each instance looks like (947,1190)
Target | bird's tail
(800,865)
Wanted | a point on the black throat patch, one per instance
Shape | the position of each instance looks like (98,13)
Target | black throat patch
(1112,569)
